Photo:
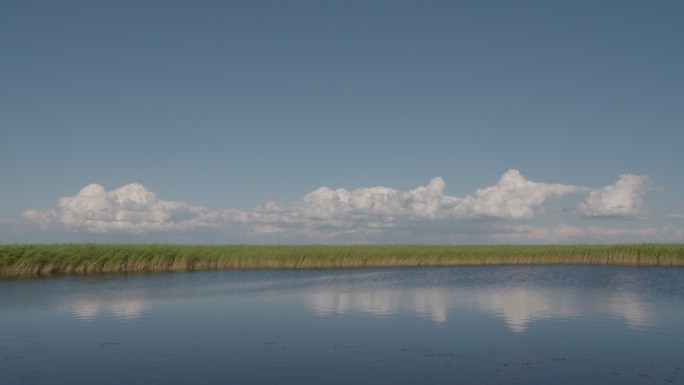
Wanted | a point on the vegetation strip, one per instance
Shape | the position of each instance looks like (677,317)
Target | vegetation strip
(44,259)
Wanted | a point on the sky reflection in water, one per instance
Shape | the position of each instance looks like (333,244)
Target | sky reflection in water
(499,325)
(517,307)
(518,303)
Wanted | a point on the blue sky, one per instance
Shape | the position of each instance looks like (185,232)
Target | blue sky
(326,121)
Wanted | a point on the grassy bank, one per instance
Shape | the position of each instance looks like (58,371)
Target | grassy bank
(26,260)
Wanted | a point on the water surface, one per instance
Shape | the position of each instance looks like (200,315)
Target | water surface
(469,325)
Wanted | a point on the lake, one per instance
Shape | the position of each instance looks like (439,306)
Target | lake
(456,325)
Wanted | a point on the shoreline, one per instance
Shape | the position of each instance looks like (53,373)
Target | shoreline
(26,260)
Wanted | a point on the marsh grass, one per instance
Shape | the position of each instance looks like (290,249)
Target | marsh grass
(42,259)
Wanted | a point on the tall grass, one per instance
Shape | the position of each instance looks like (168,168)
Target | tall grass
(41,259)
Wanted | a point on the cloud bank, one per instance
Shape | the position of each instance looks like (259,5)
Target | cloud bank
(513,197)
(327,214)
(563,233)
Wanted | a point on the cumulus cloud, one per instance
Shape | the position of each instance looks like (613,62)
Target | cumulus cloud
(131,208)
(513,197)
(619,200)
(368,214)
(376,207)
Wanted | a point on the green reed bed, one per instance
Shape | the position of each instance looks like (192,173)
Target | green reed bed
(43,259)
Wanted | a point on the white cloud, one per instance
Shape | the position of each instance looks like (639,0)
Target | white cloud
(513,197)
(619,200)
(675,216)
(268,229)
(131,208)
(322,213)
(563,233)
(377,206)
(365,215)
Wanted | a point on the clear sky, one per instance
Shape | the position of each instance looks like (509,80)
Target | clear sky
(342,121)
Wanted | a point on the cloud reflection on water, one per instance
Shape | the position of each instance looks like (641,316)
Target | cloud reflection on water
(124,307)
(518,307)
(631,308)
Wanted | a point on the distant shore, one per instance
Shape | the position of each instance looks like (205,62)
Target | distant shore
(57,259)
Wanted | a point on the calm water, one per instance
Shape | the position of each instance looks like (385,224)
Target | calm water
(474,325)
